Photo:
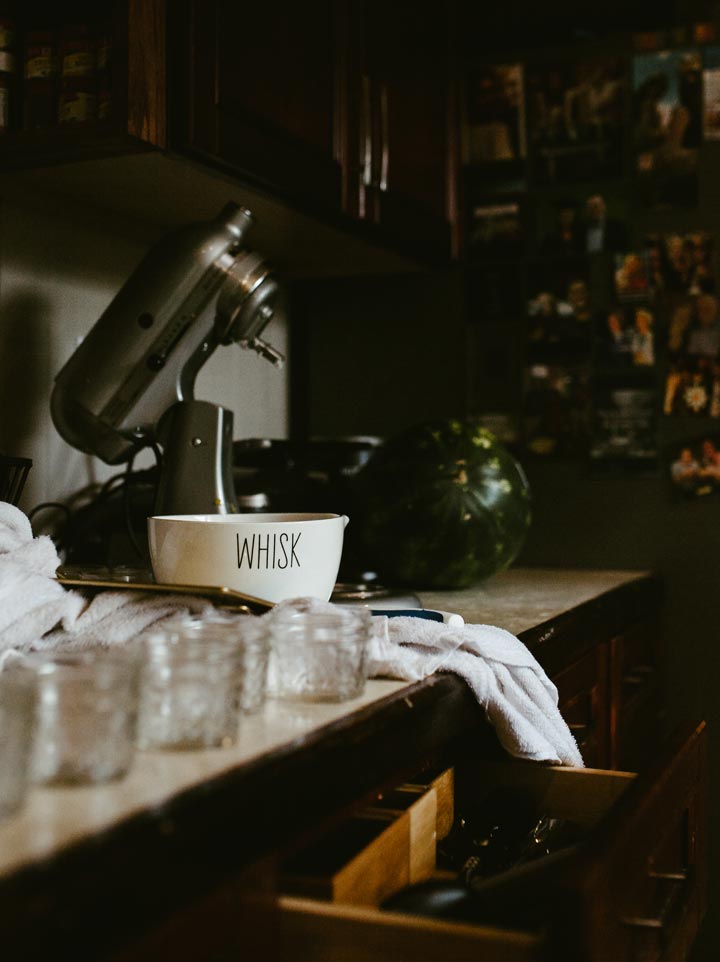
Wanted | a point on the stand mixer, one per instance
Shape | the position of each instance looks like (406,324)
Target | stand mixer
(130,383)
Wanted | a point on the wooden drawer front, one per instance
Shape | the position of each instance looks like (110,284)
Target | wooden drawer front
(612,899)
(644,891)
(313,932)
(583,699)
(635,695)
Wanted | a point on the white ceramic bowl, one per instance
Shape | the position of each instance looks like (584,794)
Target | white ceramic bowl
(269,556)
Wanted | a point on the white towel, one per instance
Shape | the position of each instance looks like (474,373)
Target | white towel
(31,600)
(520,701)
(38,613)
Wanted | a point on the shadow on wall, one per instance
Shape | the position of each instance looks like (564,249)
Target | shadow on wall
(24,374)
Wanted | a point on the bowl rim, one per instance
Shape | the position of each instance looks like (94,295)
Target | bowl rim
(288,517)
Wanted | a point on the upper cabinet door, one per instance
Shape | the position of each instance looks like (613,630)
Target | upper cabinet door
(253,87)
(80,79)
(401,109)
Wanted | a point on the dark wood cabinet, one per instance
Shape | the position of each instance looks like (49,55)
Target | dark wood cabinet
(121,98)
(583,699)
(342,111)
(398,120)
(610,698)
(253,90)
(342,108)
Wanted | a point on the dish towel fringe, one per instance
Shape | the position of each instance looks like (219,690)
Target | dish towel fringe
(38,613)
(520,701)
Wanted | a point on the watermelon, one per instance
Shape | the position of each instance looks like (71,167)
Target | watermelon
(442,505)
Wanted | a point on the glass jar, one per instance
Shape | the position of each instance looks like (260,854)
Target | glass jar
(319,656)
(86,713)
(77,51)
(190,688)
(104,67)
(252,637)
(40,100)
(77,101)
(17,726)
(8,87)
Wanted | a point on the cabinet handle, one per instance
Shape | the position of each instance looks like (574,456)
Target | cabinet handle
(670,898)
(581,732)
(366,144)
(638,675)
(384,138)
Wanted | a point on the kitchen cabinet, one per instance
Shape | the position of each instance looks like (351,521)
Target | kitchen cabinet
(125,96)
(253,90)
(340,111)
(194,846)
(342,108)
(399,119)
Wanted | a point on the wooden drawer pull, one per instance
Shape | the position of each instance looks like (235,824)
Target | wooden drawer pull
(669,899)
(581,731)
(638,676)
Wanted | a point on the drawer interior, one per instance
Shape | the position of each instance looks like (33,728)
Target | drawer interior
(580,795)
(385,847)
(321,912)
(634,888)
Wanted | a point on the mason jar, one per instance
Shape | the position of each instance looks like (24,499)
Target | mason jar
(319,656)
(190,688)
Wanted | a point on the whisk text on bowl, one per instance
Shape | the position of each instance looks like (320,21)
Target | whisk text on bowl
(268,551)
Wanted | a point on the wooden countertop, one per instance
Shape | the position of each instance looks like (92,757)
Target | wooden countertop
(292,765)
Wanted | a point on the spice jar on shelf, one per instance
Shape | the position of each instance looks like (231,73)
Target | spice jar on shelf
(8,87)
(77,101)
(104,62)
(41,74)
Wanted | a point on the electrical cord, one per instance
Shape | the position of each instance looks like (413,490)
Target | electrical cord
(127,506)
(128,475)
(89,514)
(46,505)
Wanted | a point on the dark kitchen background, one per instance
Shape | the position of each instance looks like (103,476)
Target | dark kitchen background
(382,353)
(588,348)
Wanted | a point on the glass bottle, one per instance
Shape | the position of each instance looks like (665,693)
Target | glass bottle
(41,71)
(8,87)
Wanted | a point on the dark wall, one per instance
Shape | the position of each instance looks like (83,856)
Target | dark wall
(371,356)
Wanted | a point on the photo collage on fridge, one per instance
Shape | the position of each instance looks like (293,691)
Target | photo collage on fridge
(593,256)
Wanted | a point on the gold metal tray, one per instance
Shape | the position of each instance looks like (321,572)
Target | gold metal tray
(82,576)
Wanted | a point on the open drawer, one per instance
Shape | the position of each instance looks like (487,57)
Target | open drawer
(633,889)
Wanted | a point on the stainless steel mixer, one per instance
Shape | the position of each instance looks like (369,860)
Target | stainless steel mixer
(130,383)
